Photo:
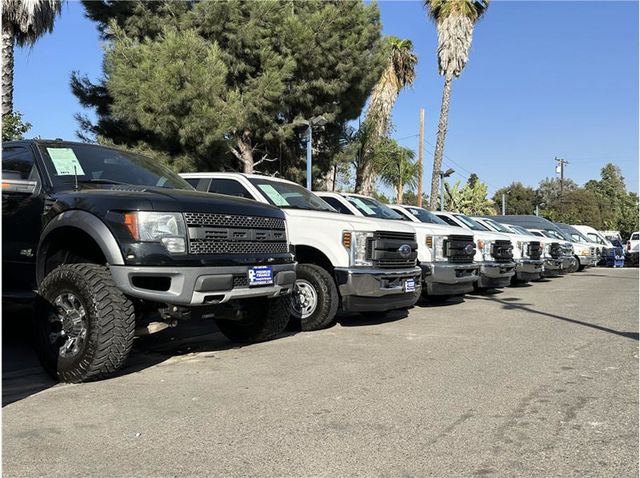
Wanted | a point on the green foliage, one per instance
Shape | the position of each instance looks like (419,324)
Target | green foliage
(396,166)
(410,198)
(228,82)
(580,206)
(13,127)
(469,199)
(520,199)
(381,197)
(618,208)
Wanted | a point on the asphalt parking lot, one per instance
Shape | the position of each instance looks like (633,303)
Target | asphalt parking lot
(538,380)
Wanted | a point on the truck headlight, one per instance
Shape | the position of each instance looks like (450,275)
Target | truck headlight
(519,249)
(436,245)
(357,244)
(484,247)
(168,228)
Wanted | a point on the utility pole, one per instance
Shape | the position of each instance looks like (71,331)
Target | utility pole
(420,154)
(504,204)
(560,169)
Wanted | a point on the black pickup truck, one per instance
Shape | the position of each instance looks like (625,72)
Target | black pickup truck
(108,244)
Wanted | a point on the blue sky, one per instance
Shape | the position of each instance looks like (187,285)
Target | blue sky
(544,79)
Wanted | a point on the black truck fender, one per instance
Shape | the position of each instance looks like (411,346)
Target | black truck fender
(85,222)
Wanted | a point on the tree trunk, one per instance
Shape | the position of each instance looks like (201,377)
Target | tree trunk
(245,151)
(7,68)
(442,132)
(364,181)
(330,178)
(399,192)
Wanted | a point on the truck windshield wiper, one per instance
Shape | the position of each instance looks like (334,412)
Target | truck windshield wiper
(99,181)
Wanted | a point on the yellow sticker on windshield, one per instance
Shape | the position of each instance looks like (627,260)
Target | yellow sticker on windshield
(65,162)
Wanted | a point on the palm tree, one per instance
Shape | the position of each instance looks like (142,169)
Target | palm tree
(399,73)
(454,21)
(397,168)
(23,22)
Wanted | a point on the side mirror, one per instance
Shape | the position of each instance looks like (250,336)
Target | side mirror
(20,186)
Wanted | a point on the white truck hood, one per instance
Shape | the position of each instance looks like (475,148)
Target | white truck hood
(323,231)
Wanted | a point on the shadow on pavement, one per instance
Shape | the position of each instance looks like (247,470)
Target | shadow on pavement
(22,374)
(358,320)
(436,301)
(510,303)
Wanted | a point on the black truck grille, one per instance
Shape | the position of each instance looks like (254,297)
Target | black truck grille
(384,250)
(211,233)
(502,251)
(460,249)
(555,250)
(534,250)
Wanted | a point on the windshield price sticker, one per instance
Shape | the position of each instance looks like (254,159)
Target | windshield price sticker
(361,205)
(65,162)
(261,275)
(274,195)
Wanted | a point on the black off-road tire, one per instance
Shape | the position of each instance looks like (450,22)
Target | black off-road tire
(110,323)
(328,299)
(262,319)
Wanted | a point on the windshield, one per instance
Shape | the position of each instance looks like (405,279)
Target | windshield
(552,233)
(470,223)
(289,195)
(499,227)
(425,216)
(101,165)
(577,236)
(520,230)
(372,208)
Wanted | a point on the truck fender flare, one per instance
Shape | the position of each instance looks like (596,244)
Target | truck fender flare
(87,223)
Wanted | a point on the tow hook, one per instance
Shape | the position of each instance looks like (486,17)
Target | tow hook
(169,317)
(173,313)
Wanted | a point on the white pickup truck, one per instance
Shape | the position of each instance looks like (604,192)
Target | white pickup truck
(495,253)
(530,264)
(552,253)
(355,264)
(445,253)
(633,248)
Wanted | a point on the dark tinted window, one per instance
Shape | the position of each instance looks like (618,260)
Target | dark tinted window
(337,205)
(449,221)
(17,163)
(99,164)
(230,187)
(404,214)
(193,181)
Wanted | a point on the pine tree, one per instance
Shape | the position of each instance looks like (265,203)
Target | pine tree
(266,68)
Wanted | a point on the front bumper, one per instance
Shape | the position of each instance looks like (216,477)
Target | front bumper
(441,278)
(495,274)
(569,263)
(529,269)
(191,286)
(552,267)
(377,290)
(588,261)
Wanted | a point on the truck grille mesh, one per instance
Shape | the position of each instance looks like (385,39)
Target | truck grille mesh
(456,249)
(502,251)
(211,233)
(200,219)
(383,250)
(534,250)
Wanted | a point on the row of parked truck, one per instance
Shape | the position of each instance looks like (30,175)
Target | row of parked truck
(109,245)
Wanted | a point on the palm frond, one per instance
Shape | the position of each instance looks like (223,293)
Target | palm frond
(30,18)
